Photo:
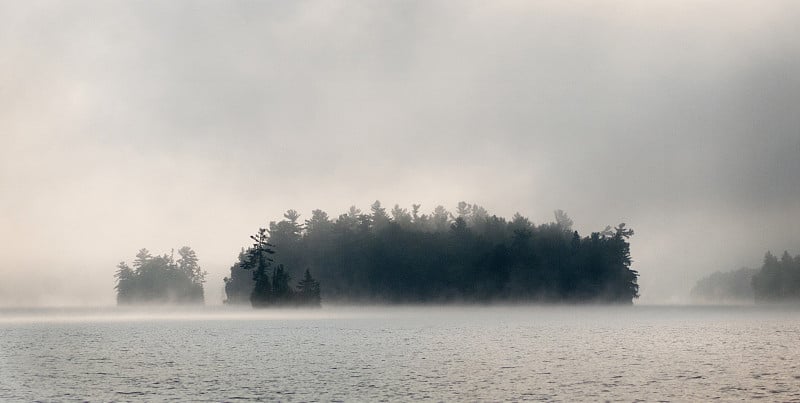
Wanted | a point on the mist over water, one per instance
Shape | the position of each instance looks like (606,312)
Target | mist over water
(402,353)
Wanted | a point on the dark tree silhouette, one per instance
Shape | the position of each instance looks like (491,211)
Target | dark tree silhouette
(258,261)
(469,256)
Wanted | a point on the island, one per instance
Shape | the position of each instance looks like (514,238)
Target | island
(161,279)
(404,256)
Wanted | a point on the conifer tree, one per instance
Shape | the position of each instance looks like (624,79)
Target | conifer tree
(259,261)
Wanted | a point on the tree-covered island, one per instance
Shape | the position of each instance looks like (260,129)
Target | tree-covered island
(776,281)
(403,256)
(161,279)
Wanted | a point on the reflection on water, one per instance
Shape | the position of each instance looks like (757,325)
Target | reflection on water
(428,353)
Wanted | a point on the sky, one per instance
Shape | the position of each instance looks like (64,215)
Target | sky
(158,124)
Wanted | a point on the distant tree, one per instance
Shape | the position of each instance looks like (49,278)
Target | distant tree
(778,280)
(563,220)
(415,212)
(286,232)
(626,287)
(378,211)
(520,225)
(379,217)
(401,216)
(440,219)
(319,223)
(308,291)
(478,216)
(353,211)
(188,264)
(463,210)
(142,257)
(287,236)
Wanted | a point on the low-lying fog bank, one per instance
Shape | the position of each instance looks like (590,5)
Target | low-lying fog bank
(397,313)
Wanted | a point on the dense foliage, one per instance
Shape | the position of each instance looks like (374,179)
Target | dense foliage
(725,287)
(405,256)
(161,279)
(778,280)
(269,283)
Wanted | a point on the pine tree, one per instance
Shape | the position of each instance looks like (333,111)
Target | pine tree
(259,261)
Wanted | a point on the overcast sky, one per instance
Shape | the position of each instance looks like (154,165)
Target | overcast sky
(160,124)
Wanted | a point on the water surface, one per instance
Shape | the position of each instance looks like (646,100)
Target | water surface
(402,353)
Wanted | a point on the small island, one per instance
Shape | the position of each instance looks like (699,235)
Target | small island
(161,279)
(404,256)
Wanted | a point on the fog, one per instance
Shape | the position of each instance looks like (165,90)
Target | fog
(392,315)
(126,125)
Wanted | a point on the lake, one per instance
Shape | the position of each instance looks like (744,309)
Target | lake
(401,354)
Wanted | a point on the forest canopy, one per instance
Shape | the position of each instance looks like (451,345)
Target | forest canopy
(399,255)
(161,279)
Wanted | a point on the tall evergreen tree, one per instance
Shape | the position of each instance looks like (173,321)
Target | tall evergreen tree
(259,262)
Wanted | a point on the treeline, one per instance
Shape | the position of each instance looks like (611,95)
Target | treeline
(161,279)
(402,255)
(725,287)
(778,280)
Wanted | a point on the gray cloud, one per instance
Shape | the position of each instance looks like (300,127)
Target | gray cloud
(158,124)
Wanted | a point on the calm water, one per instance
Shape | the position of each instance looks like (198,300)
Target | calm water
(451,354)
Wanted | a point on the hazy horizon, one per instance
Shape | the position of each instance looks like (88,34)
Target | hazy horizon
(128,125)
